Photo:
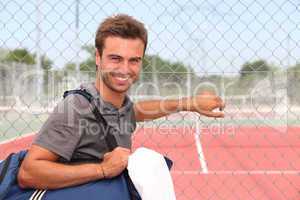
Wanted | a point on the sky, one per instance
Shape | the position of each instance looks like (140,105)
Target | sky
(210,36)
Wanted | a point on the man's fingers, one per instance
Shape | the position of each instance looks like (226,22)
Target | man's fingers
(220,103)
(216,114)
(212,114)
(107,155)
(123,149)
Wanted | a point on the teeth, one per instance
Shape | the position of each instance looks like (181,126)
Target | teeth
(122,79)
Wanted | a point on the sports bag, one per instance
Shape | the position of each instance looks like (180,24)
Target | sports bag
(120,187)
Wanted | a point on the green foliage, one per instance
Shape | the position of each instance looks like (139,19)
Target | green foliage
(154,63)
(20,56)
(251,72)
(90,49)
(294,69)
(3,54)
(257,68)
(25,57)
(88,65)
(46,63)
(151,64)
(70,66)
(293,75)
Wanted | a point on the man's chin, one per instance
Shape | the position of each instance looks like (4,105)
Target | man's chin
(120,89)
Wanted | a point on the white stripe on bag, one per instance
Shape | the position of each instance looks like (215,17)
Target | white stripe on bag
(38,195)
(42,195)
(34,194)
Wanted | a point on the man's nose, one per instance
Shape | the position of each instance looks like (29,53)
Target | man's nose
(124,67)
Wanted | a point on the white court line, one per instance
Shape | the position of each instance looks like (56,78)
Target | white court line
(200,149)
(239,172)
(17,138)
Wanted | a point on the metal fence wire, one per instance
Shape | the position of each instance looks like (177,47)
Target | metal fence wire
(247,52)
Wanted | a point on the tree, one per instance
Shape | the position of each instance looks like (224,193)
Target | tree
(293,75)
(154,68)
(88,65)
(164,74)
(7,74)
(70,66)
(257,68)
(20,56)
(151,64)
(25,57)
(154,64)
(3,54)
(251,72)
(46,63)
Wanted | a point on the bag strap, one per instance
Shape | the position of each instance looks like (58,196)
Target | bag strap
(109,138)
(4,169)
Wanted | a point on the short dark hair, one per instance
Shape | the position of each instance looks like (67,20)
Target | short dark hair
(120,25)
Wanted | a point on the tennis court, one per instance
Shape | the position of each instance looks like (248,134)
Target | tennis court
(244,51)
(221,162)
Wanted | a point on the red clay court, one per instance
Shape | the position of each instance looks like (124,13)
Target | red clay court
(250,163)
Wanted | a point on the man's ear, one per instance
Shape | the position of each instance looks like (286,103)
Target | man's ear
(97,58)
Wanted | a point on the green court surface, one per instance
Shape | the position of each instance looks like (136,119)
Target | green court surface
(14,124)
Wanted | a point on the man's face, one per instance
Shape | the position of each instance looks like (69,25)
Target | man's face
(120,63)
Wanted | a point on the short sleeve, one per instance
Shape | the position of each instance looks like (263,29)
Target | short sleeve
(61,132)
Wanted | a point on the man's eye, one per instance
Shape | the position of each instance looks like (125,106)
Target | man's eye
(134,61)
(115,59)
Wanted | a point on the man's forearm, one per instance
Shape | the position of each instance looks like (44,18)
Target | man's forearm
(153,109)
(51,175)
(205,104)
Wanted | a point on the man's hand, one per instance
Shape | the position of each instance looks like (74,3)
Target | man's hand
(205,104)
(115,162)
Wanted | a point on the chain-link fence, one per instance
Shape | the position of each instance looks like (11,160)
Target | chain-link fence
(247,52)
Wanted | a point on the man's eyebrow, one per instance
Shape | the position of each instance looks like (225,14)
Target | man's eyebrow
(136,58)
(114,55)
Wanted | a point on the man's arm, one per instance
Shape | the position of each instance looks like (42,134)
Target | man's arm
(41,170)
(204,104)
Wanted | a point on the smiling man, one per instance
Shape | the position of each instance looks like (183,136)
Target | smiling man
(69,149)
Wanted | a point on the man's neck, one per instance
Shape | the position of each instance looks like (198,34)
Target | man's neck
(108,95)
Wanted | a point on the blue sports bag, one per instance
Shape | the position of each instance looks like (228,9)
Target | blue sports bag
(120,187)
(116,188)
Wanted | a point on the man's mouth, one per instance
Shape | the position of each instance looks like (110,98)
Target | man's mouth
(121,78)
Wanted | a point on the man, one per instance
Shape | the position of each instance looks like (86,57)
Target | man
(69,149)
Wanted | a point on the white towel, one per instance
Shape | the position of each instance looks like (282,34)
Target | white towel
(150,175)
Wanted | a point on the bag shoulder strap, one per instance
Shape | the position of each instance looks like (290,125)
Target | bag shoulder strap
(109,138)
(12,160)
(4,169)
